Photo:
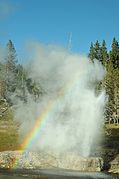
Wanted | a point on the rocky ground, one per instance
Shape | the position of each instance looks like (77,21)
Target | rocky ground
(109,151)
(114,165)
(33,160)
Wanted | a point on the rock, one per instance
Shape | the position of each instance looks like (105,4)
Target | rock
(42,160)
(114,165)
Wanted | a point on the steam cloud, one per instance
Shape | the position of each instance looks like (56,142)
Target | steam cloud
(75,114)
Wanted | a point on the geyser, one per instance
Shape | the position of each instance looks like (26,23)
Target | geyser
(69,114)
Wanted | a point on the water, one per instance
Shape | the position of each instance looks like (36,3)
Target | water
(54,174)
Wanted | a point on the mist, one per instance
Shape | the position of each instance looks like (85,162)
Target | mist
(75,109)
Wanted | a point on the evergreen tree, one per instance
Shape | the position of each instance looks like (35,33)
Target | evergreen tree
(2,81)
(114,53)
(104,54)
(97,51)
(111,81)
(21,83)
(91,52)
(10,57)
(10,68)
(109,87)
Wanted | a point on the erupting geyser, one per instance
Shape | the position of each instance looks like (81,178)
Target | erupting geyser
(69,114)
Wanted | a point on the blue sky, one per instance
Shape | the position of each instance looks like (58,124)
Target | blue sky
(52,21)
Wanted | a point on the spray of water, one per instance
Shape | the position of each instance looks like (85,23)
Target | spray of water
(76,115)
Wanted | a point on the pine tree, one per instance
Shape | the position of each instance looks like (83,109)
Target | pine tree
(97,51)
(10,68)
(91,52)
(111,81)
(2,81)
(116,91)
(104,54)
(109,87)
(114,53)
(21,83)
(11,57)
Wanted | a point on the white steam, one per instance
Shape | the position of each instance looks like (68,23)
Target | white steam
(70,109)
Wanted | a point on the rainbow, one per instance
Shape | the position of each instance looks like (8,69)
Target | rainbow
(38,127)
(41,122)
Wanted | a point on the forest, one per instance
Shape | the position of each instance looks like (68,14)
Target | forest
(110,61)
(14,79)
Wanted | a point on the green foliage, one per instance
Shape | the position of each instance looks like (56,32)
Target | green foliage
(14,79)
(92,52)
(103,54)
(97,50)
(110,61)
(10,72)
(34,88)
(109,86)
(11,57)
(114,53)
